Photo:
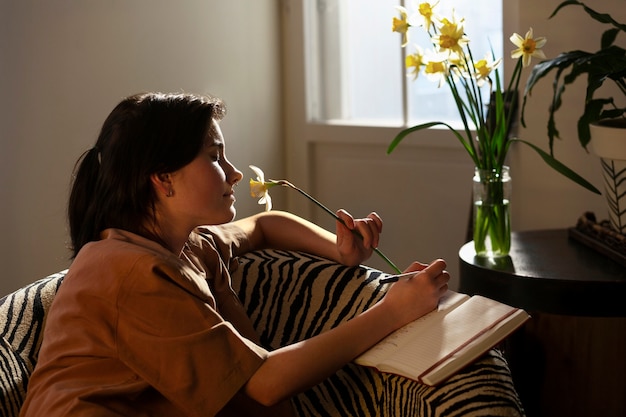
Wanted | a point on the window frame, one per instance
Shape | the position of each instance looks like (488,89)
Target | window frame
(301,132)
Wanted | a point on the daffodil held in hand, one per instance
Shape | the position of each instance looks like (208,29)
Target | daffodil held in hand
(259,188)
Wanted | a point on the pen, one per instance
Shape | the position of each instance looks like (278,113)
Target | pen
(394,278)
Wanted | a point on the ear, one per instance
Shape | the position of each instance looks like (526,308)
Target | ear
(163,184)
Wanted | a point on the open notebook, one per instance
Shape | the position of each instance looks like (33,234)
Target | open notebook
(439,344)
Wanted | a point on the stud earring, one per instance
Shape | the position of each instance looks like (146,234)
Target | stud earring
(170,193)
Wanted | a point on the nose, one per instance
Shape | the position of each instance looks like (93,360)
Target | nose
(234,176)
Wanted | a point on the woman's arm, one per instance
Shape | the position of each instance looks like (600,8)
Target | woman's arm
(282,230)
(299,366)
(294,368)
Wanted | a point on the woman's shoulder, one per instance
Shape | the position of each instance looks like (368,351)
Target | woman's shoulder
(117,253)
(120,245)
(125,260)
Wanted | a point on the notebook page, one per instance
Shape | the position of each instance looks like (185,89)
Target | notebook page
(411,334)
(455,328)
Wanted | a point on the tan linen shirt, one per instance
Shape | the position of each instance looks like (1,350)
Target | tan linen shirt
(137,331)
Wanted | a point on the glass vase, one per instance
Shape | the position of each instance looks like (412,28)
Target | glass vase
(492,218)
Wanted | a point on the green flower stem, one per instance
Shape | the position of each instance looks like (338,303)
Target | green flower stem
(323,207)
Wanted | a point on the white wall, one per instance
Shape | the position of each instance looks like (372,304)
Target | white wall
(64,64)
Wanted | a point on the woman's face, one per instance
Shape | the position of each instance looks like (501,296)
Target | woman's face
(203,188)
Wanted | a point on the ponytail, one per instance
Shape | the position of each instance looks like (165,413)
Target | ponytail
(81,214)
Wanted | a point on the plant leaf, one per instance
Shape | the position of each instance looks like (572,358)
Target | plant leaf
(561,168)
(608,38)
(565,3)
(600,17)
(592,113)
(404,133)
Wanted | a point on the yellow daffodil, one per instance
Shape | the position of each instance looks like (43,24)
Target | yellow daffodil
(483,69)
(451,36)
(436,68)
(457,67)
(426,11)
(457,60)
(402,25)
(415,62)
(259,188)
(527,47)
(485,114)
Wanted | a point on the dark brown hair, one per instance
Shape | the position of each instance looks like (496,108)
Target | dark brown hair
(144,134)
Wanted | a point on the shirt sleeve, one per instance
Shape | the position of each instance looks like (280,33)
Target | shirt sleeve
(171,335)
(227,239)
(214,249)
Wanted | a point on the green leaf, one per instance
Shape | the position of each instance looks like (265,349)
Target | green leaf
(562,61)
(400,136)
(608,38)
(600,17)
(592,113)
(560,6)
(561,168)
(612,113)
(404,133)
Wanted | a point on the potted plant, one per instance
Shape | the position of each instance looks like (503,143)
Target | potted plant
(606,64)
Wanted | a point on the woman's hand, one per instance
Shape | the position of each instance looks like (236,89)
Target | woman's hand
(290,370)
(352,249)
(410,299)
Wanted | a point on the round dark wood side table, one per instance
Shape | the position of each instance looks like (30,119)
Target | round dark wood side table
(570,358)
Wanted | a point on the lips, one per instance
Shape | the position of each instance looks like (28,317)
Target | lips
(230,194)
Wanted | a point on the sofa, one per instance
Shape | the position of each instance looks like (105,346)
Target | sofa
(289,296)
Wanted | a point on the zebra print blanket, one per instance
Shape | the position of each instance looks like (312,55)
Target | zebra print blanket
(289,296)
(293,296)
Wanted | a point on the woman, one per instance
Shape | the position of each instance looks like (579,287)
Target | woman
(146,322)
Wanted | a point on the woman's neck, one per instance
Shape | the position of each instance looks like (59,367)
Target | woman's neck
(170,238)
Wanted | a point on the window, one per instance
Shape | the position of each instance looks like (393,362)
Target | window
(355,64)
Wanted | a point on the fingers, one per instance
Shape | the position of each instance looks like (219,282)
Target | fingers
(420,294)
(369,228)
(347,218)
(416,266)
(436,267)
(373,216)
(435,271)
(439,275)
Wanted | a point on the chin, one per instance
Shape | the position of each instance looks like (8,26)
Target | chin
(228,217)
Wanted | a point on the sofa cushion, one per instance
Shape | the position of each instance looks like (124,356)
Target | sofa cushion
(14,376)
(22,315)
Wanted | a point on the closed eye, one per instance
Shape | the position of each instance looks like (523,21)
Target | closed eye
(215,151)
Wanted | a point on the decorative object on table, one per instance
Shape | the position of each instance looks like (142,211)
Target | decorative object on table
(609,144)
(259,188)
(602,123)
(600,236)
(482,105)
